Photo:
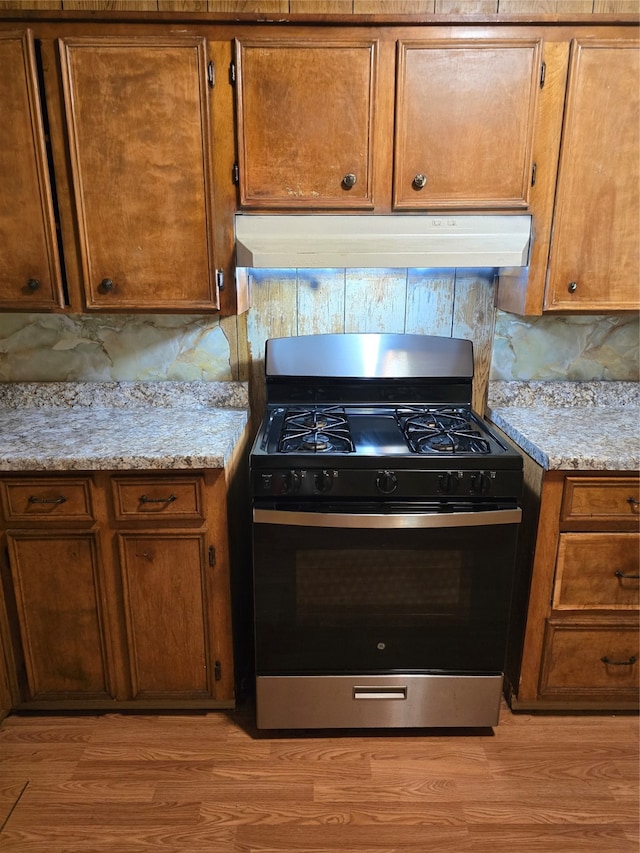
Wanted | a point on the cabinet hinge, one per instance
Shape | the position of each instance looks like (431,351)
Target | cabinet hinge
(212,555)
(235,174)
(211,74)
(220,279)
(543,73)
(217,670)
(232,74)
(534,171)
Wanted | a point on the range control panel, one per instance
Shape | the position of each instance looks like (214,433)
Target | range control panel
(383,482)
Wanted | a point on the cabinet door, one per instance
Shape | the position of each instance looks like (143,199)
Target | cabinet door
(464,123)
(138,123)
(29,263)
(305,123)
(60,609)
(169,611)
(595,248)
(583,661)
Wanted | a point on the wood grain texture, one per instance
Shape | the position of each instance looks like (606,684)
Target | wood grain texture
(291,153)
(341,7)
(212,782)
(593,264)
(140,106)
(321,7)
(27,217)
(458,125)
(581,645)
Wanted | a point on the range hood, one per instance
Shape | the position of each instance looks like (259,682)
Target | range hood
(424,240)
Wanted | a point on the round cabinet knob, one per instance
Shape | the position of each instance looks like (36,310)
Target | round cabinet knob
(386,482)
(573,286)
(323,480)
(349,181)
(105,286)
(33,284)
(420,181)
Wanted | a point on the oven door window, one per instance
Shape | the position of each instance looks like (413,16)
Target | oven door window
(336,600)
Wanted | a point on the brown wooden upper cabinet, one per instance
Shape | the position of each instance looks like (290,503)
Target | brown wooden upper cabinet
(595,244)
(29,261)
(306,113)
(137,114)
(465,114)
(316,123)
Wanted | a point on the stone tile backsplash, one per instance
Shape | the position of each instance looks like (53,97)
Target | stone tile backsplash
(97,348)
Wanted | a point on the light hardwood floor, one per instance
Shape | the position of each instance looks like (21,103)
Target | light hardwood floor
(211,782)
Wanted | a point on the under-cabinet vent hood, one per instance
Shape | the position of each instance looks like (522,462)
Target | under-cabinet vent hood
(425,240)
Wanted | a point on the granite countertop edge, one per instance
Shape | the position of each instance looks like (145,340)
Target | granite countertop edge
(120,425)
(544,418)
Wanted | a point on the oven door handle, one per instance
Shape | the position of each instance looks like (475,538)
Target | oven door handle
(387,521)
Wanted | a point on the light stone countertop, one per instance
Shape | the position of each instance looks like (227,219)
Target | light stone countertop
(72,426)
(590,426)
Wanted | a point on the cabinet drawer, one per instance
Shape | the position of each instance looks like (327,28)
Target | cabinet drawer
(166,498)
(50,499)
(590,659)
(597,570)
(598,499)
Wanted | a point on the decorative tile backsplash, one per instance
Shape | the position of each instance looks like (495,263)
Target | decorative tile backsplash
(98,348)
(75,347)
(574,347)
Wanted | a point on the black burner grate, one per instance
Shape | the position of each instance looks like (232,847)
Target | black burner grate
(316,430)
(441,429)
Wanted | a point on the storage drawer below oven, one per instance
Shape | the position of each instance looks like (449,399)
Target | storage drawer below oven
(366,701)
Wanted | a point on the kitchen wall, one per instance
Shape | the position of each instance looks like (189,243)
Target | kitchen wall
(49,347)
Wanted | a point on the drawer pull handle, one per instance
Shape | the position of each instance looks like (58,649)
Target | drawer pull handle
(610,662)
(622,576)
(145,500)
(634,503)
(380,692)
(34,500)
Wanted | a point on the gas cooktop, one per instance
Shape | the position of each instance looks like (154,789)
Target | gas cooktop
(359,415)
(377,431)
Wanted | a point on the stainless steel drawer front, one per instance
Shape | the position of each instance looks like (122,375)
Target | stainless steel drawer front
(365,701)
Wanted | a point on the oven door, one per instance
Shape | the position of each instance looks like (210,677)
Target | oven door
(345,588)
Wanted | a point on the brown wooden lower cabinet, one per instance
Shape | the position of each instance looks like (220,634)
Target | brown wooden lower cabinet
(581,643)
(59,602)
(168,613)
(116,590)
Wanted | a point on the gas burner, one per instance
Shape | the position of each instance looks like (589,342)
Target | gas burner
(315,430)
(468,441)
(441,430)
(442,442)
(317,443)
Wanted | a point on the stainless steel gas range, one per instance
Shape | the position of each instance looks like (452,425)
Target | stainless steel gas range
(385,521)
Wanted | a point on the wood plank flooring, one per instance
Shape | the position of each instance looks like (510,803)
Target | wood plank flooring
(211,782)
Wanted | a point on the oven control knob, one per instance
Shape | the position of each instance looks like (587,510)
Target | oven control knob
(480,483)
(447,482)
(387,482)
(323,480)
(290,482)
